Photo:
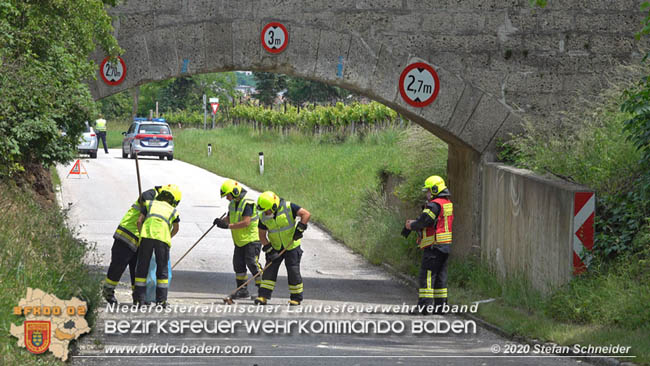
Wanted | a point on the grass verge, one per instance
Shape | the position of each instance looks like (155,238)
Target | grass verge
(37,250)
(338,180)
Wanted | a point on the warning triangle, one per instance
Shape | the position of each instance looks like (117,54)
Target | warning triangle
(78,168)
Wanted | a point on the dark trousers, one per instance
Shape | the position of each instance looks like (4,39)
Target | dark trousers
(121,256)
(433,277)
(101,136)
(246,256)
(292,263)
(147,247)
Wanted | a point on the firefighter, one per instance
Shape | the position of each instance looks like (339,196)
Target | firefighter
(434,223)
(157,228)
(242,221)
(277,220)
(125,246)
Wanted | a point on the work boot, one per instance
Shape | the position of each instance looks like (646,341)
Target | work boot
(242,293)
(439,306)
(109,295)
(260,300)
(294,302)
(163,304)
(420,309)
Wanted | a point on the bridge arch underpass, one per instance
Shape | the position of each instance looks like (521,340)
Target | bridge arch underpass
(364,46)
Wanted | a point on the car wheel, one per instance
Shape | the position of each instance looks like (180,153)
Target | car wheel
(132,155)
(161,157)
(93,154)
(170,157)
(124,155)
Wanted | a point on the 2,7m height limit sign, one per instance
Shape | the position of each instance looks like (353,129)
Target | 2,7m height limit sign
(419,84)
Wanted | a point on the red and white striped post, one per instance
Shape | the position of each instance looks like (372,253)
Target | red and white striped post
(584,208)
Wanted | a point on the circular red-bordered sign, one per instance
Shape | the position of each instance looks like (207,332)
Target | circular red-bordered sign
(113,73)
(419,84)
(275,37)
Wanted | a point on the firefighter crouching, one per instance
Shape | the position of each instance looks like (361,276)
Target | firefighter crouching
(435,225)
(157,228)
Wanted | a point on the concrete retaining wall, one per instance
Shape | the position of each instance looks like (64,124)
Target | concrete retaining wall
(528,225)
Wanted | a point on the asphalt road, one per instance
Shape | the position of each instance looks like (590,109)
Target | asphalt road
(333,276)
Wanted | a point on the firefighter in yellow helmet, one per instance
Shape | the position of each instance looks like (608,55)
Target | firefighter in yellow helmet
(125,246)
(157,227)
(434,224)
(242,221)
(278,231)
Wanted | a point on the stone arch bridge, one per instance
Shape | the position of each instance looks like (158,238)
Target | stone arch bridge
(498,61)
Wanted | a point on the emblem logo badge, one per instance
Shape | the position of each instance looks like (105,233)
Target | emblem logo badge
(37,336)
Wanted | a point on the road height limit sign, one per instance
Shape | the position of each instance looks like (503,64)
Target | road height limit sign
(113,73)
(275,37)
(419,84)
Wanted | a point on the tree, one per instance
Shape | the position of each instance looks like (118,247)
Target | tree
(268,86)
(43,63)
(301,90)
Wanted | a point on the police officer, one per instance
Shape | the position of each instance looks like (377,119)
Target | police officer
(242,221)
(125,246)
(157,227)
(434,223)
(277,220)
(100,127)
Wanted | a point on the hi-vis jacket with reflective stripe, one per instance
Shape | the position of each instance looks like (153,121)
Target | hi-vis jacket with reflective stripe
(127,230)
(246,234)
(100,125)
(440,233)
(158,222)
(281,228)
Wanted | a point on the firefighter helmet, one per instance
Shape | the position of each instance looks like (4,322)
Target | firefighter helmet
(268,201)
(230,187)
(434,184)
(174,191)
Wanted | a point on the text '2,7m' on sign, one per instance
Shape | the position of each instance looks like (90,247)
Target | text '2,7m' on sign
(275,37)
(113,73)
(419,84)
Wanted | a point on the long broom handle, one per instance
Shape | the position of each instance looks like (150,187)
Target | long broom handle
(137,171)
(256,275)
(197,242)
(189,250)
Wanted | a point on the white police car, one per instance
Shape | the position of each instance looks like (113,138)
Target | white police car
(148,137)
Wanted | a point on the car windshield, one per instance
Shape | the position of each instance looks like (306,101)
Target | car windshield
(154,129)
(87,128)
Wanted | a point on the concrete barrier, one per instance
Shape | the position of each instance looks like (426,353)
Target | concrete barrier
(531,225)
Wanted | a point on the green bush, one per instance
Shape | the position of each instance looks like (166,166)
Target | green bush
(592,148)
(37,250)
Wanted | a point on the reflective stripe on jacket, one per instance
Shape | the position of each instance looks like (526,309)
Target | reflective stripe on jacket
(440,232)
(100,125)
(281,228)
(246,234)
(159,221)
(127,230)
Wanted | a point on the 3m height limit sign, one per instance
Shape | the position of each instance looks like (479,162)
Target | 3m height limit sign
(584,209)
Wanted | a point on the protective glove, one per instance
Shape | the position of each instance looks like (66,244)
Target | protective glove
(271,254)
(300,228)
(405,232)
(220,223)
